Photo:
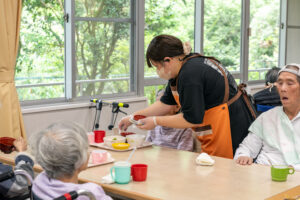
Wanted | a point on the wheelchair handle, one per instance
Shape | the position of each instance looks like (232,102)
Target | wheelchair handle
(7,175)
(68,196)
(74,194)
(86,193)
(24,173)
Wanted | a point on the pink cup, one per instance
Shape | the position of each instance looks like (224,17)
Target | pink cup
(91,138)
(99,156)
(99,135)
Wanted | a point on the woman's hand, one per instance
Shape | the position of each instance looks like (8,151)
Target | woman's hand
(147,123)
(244,160)
(20,144)
(125,123)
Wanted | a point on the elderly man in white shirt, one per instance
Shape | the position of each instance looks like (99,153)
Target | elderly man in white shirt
(274,137)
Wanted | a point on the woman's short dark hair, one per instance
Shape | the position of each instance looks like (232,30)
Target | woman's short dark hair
(163,46)
(272,75)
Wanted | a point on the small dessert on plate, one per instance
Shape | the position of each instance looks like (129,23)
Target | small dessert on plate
(204,159)
(99,156)
(109,140)
(135,140)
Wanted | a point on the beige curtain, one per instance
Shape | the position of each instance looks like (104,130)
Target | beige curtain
(11,121)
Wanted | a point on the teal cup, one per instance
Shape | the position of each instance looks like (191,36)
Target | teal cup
(122,172)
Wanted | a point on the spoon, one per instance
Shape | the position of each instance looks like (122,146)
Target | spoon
(134,148)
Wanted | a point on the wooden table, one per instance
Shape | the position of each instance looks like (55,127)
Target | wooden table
(173,174)
(293,193)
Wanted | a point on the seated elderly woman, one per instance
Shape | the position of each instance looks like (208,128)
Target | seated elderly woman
(274,137)
(62,151)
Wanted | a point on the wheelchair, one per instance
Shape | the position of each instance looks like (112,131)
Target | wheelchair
(31,196)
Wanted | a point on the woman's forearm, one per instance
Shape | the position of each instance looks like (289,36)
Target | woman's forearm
(174,121)
(156,109)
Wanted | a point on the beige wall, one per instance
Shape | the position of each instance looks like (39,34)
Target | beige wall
(37,118)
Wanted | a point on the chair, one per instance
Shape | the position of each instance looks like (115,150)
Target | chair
(68,196)
(263,108)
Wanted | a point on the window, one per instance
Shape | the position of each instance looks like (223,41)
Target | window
(174,17)
(150,92)
(222,32)
(102,45)
(78,49)
(264,38)
(40,62)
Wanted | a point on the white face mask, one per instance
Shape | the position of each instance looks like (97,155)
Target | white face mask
(161,73)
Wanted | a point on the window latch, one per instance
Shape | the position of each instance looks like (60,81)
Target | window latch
(66,17)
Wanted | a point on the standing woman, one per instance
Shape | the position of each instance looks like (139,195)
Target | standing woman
(206,91)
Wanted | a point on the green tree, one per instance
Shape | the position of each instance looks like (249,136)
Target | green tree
(97,42)
(41,49)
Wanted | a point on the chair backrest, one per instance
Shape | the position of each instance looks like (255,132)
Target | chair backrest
(263,108)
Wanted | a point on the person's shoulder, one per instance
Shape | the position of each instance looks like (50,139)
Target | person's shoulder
(97,190)
(192,68)
(91,185)
(270,113)
(41,177)
(194,64)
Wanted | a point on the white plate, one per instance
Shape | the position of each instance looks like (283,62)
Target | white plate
(109,160)
(103,146)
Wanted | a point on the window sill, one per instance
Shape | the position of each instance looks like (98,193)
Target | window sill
(72,105)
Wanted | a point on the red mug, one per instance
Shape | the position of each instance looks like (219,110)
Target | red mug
(99,135)
(139,172)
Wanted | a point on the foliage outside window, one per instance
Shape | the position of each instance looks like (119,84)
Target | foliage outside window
(222,32)
(173,17)
(103,41)
(102,47)
(264,39)
(40,62)
(150,92)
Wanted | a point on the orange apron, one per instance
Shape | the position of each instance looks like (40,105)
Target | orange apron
(214,133)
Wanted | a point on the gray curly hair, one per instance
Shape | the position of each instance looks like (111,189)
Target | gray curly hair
(60,149)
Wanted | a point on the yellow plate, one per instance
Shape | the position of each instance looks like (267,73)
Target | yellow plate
(120,146)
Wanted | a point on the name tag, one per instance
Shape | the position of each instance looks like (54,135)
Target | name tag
(203,130)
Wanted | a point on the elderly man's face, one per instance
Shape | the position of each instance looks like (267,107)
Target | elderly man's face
(289,89)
